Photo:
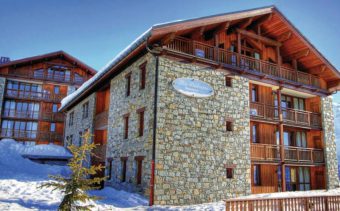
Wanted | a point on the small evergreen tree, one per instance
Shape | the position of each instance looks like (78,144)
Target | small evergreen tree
(74,187)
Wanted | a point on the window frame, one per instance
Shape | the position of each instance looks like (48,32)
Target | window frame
(228,81)
(128,84)
(141,121)
(126,118)
(142,76)
(85,113)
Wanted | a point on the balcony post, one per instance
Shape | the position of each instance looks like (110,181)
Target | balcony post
(282,149)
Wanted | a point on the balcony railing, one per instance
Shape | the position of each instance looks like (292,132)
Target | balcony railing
(269,152)
(43,76)
(30,95)
(208,52)
(101,120)
(35,115)
(11,113)
(290,116)
(30,135)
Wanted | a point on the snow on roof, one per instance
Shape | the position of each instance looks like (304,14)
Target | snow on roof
(143,37)
(46,150)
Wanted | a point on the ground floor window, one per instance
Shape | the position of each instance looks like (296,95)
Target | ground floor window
(297,178)
(139,167)
(123,168)
(256,175)
(109,169)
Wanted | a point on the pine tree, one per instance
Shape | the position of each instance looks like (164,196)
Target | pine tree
(75,186)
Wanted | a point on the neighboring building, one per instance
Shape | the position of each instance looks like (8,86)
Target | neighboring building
(238,141)
(31,91)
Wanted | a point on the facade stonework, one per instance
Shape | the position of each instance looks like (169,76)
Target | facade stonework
(193,148)
(120,104)
(80,124)
(329,141)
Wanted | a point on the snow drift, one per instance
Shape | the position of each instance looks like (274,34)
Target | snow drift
(12,162)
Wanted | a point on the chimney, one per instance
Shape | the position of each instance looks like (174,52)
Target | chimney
(4,60)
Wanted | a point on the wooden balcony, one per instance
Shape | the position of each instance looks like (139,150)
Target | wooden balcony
(290,116)
(99,153)
(29,95)
(246,64)
(29,74)
(270,153)
(101,120)
(30,135)
(51,116)
(34,115)
(11,113)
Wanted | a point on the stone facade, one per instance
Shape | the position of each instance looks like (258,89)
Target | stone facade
(120,104)
(80,124)
(2,92)
(329,141)
(193,147)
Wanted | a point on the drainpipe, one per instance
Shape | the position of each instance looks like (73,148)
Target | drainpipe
(155,52)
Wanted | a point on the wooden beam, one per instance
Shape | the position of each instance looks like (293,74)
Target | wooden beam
(261,20)
(244,24)
(197,33)
(259,37)
(333,86)
(298,55)
(168,38)
(221,28)
(317,70)
(255,44)
(284,36)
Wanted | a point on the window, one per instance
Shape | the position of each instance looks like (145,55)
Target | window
(109,170)
(21,109)
(70,121)
(139,165)
(230,173)
(142,76)
(254,133)
(55,108)
(126,126)
(228,81)
(78,78)
(256,175)
(80,138)
(140,113)
(38,73)
(69,140)
(85,110)
(123,167)
(229,125)
(56,89)
(57,73)
(254,93)
(128,84)
(52,127)
(19,129)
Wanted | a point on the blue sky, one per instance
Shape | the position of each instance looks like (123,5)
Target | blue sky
(95,31)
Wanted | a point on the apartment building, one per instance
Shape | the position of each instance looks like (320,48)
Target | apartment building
(31,91)
(210,108)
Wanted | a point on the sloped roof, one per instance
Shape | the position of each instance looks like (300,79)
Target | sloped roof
(51,55)
(158,31)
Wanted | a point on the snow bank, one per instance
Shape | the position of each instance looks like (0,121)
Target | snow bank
(46,150)
(12,164)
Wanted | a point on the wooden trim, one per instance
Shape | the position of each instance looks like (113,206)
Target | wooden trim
(124,158)
(139,157)
(259,37)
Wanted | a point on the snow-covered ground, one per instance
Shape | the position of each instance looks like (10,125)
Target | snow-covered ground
(20,181)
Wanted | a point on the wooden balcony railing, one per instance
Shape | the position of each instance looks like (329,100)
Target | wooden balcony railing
(35,115)
(101,120)
(302,203)
(52,116)
(30,135)
(290,116)
(12,113)
(299,154)
(30,95)
(48,77)
(208,52)
(99,153)
(263,189)
(268,152)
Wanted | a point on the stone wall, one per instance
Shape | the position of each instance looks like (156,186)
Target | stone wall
(80,124)
(2,92)
(329,141)
(193,147)
(133,146)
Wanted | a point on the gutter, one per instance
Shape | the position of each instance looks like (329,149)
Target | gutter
(155,52)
